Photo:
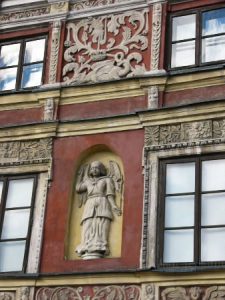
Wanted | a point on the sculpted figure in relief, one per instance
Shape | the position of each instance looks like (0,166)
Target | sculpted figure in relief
(98,191)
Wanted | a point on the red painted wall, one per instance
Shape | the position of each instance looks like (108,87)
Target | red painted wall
(67,151)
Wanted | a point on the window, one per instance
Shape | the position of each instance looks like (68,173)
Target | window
(192,215)
(16,209)
(198,38)
(21,64)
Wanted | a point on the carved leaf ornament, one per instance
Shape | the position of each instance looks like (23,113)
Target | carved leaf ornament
(112,292)
(105,48)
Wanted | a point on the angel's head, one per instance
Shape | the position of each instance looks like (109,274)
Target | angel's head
(97,169)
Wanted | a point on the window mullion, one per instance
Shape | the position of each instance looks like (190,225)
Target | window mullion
(197,211)
(3,204)
(20,65)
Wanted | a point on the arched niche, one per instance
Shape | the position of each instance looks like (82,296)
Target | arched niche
(104,155)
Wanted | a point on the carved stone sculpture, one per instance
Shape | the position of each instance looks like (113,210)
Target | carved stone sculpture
(98,190)
(49,110)
(106,48)
(25,292)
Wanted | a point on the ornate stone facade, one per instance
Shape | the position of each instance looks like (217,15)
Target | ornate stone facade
(156,35)
(106,48)
(113,292)
(193,293)
(55,41)
(84,4)
(204,131)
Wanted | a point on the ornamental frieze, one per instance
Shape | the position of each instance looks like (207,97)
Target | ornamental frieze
(112,292)
(106,48)
(185,132)
(193,293)
(20,151)
(29,13)
(85,4)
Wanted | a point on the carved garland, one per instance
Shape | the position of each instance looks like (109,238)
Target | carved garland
(106,48)
(9,17)
(113,292)
(156,34)
(193,293)
(54,51)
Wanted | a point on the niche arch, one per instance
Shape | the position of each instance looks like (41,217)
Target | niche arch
(103,154)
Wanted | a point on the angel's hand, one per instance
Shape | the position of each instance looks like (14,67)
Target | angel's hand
(80,174)
(117,210)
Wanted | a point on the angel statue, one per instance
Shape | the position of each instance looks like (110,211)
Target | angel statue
(98,193)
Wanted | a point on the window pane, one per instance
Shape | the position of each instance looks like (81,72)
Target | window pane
(213,175)
(32,75)
(180,178)
(213,22)
(178,246)
(183,54)
(179,211)
(213,244)
(9,55)
(213,49)
(184,27)
(12,256)
(31,53)
(20,192)
(213,209)
(15,224)
(8,79)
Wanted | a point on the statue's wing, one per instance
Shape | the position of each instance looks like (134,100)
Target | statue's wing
(83,175)
(117,177)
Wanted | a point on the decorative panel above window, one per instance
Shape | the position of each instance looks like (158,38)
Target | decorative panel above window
(192,211)
(197,38)
(21,64)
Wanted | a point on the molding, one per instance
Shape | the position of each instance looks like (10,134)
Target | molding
(156,35)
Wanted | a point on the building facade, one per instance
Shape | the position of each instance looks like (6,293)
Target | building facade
(112,149)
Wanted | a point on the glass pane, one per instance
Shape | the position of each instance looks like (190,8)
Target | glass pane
(213,209)
(15,224)
(213,175)
(183,54)
(184,28)
(8,79)
(179,211)
(32,75)
(180,178)
(213,49)
(9,55)
(213,244)
(19,192)
(213,22)
(12,256)
(31,53)
(178,246)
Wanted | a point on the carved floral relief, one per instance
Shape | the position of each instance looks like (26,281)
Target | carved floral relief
(112,292)
(84,4)
(106,48)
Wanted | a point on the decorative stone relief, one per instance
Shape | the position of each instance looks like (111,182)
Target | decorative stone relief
(205,131)
(84,4)
(56,32)
(156,35)
(106,48)
(153,97)
(59,7)
(97,187)
(7,295)
(24,293)
(112,292)
(193,293)
(49,110)
(148,292)
(12,152)
(10,17)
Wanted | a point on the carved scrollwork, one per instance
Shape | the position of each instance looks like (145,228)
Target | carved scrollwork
(170,134)
(152,135)
(10,17)
(54,51)
(156,35)
(112,292)
(105,48)
(7,296)
(85,4)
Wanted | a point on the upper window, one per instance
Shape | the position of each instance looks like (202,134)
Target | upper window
(21,64)
(16,208)
(192,214)
(198,38)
